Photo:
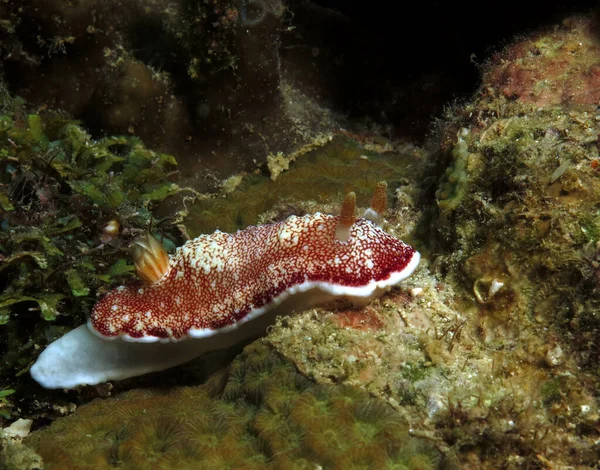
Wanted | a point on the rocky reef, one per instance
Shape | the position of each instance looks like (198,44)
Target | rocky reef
(518,205)
(189,77)
(485,358)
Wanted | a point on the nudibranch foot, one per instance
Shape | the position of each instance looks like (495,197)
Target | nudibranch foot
(82,357)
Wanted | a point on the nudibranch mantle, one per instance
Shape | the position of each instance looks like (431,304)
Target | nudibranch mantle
(211,288)
(217,281)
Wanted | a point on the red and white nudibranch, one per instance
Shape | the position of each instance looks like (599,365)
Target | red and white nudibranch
(218,280)
(216,283)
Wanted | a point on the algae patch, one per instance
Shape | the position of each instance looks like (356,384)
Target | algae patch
(59,188)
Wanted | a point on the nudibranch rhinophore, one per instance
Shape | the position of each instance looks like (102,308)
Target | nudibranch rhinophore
(215,290)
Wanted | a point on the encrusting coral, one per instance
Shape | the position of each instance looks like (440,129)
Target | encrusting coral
(319,180)
(259,413)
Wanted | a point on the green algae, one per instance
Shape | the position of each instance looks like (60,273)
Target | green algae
(4,403)
(259,413)
(42,227)
(59,187)
(453,186)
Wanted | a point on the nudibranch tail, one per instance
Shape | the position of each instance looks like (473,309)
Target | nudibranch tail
(150,258)
(347,217)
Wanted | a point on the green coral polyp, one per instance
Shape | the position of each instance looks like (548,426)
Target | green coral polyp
(324,175)
(208,426)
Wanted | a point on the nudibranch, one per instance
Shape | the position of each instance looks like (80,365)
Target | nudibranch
(216,290)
